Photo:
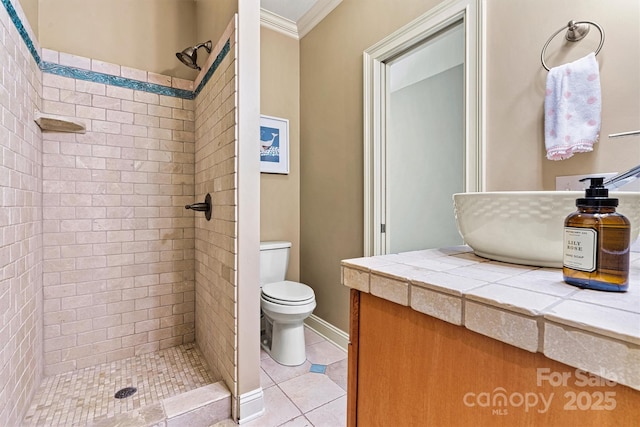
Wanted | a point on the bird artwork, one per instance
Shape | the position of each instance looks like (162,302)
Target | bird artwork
(269,144)
(274,145)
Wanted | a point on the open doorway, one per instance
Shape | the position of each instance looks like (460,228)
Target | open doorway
(423,127)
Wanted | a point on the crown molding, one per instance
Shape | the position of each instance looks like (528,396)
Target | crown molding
(317,13)
(277,23)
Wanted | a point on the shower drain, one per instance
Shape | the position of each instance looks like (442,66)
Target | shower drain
(125,392)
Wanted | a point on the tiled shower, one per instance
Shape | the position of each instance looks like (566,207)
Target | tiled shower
(118,244)
(99,260)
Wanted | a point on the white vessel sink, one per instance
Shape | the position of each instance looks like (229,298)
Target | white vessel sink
(526,227)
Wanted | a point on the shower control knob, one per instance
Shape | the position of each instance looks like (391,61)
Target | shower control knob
(205,207)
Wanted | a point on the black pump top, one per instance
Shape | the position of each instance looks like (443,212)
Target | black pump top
(596,195)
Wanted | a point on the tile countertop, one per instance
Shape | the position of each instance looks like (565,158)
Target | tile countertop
(528,307)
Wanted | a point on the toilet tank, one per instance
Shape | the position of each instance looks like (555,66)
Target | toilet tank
(274,260)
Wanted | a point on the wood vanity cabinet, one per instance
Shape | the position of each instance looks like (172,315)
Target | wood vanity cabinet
(410,369)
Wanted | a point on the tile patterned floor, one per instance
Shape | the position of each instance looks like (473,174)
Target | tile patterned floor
(312,394)
(86,395)
(297,396)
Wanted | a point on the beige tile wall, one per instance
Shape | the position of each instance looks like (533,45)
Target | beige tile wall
(20,225)
(216,240)
(118,242)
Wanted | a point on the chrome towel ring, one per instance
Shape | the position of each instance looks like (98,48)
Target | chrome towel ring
(576,30)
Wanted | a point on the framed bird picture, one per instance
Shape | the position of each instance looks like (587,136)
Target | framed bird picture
(274,145)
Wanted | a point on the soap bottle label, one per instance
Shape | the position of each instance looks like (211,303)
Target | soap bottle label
(580,248)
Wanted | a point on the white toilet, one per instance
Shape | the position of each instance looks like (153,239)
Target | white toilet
(284,306)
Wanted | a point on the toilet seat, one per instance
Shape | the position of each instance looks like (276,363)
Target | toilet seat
(286,302)
(287,293)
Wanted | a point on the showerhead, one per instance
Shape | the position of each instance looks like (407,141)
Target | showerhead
(189,56)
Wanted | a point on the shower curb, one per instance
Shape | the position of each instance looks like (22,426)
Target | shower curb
(203,406)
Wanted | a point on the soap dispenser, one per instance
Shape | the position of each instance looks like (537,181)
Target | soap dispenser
(597,242)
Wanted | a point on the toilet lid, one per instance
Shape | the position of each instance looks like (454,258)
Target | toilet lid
(288,291)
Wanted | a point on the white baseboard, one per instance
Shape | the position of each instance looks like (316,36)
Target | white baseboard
(328,331)
(251,406)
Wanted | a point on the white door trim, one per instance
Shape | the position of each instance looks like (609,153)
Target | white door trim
(375,80)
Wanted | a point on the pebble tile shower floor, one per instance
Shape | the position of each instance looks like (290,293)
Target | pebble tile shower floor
(87,395)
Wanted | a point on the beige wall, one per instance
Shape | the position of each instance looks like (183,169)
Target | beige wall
(516,85)
(280,97)
(142,34)
(331,115)
(211,19)
(30,8)
(149,33)
(331,162)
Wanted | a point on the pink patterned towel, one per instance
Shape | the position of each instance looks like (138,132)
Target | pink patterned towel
(572,108)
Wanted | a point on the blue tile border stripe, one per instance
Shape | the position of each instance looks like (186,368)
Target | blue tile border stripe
(216,63)
(93,76)
(23,31)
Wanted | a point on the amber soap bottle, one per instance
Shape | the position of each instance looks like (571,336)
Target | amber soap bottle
(597,242)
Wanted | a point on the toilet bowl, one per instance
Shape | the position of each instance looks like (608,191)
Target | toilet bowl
(284,305)
(285,308)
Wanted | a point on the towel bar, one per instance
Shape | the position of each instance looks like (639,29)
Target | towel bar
(576,30)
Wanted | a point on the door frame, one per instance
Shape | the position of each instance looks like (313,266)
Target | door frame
(471,12)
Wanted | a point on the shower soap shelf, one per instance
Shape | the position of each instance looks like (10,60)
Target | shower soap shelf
(54,123)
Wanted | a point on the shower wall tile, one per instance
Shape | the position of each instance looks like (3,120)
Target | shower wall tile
(74,61)
(119,275)
(133,73)
(104,67)
(21,253)
(50,56)
(159,79)
(181,84)
(216,240)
